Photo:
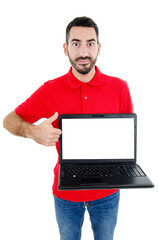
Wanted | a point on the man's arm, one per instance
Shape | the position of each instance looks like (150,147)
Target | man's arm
(44,133)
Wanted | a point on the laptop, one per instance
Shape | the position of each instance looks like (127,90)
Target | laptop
(98,151)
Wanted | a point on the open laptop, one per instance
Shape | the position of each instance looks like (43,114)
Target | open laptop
(98,151)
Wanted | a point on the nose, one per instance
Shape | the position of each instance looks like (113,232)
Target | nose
(83,51)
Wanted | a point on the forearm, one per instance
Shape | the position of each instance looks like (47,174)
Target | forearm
(43,133)
(16,125)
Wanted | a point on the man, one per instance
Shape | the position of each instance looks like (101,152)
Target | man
(84,89)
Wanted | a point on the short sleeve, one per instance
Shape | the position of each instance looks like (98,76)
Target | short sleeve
(127,105)
(35,107)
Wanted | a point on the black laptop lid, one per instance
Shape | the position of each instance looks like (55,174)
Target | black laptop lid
(97,138)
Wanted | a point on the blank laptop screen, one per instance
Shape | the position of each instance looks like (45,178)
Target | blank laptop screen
(106,138)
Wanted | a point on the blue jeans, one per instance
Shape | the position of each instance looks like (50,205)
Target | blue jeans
(103,216)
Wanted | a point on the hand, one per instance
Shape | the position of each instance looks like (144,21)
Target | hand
(45,133)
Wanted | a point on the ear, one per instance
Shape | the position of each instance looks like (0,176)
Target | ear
(99,47)
(65,49)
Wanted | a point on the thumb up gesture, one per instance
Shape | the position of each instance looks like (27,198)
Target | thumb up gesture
(45,133)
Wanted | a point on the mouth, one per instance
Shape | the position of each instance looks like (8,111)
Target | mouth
(83,61)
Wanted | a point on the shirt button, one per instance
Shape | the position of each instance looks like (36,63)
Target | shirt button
(85,97)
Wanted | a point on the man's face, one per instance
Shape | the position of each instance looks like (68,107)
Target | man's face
(82,48)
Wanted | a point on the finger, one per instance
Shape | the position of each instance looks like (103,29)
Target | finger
(49,144)
(56,131)
(52,142)
(53,138)
(53,118)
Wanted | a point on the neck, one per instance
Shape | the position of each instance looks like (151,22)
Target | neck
(84,77)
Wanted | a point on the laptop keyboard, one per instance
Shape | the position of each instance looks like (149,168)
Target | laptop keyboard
(103,171)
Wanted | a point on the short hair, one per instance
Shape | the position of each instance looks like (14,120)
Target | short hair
(82,22)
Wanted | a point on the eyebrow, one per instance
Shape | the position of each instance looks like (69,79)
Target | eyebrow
(91,40)
(78,40)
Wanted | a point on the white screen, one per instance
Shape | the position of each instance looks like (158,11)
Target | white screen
(108,138)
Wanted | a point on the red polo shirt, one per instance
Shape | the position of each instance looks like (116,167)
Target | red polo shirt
(68,95)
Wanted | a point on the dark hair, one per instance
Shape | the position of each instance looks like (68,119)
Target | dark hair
(82,22)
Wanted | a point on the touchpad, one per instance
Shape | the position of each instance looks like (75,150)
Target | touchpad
(92,180)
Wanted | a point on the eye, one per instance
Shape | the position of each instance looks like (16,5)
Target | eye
(76,44)
(91,44)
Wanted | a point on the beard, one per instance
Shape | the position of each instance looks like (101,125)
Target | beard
(83,68)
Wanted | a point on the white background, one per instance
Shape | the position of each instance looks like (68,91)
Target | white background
(32,33)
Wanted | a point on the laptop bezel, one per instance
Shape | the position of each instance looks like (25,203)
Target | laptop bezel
(76,161)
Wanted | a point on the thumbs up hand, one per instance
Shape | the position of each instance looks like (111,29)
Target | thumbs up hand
(45,133)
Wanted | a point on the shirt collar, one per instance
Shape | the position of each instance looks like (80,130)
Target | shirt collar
(73,82)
